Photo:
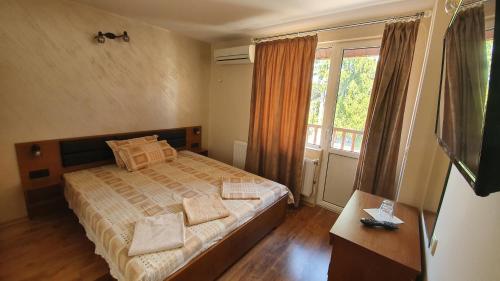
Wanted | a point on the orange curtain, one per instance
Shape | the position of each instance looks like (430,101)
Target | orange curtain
(281,90)
(378,159)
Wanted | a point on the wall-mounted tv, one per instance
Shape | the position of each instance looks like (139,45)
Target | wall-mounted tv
(468,120)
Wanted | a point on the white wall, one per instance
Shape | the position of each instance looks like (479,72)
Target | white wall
(422,143)
(468,233)
(56,82)
(230,95)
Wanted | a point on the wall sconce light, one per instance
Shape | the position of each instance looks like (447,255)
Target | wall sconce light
(101,37)
(36,151)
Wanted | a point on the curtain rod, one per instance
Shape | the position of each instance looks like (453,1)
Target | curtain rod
(370,22)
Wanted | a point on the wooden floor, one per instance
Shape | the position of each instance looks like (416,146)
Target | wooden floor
(56,248)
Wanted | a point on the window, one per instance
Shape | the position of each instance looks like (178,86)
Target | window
(318,95)
(346,108)
(353,97)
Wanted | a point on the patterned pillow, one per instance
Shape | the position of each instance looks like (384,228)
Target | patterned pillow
(144,155)
(115,145)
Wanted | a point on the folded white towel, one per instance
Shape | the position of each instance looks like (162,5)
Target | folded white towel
(240,188)
(204,208)
(158,233)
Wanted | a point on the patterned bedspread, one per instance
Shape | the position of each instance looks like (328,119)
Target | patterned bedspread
(109,200)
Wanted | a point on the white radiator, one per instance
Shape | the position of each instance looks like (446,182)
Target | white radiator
(308,172)
(239,154)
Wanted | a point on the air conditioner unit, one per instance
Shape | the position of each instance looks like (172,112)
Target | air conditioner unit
(235,55)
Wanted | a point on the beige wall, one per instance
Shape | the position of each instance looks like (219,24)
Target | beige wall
(468,233)
(413,87)
(56,82)
(230,94)
(422,143)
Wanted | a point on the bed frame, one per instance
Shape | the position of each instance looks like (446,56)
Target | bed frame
(42,164)
(212,263)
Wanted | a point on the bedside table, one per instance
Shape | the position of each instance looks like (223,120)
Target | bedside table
(44,200)
(361,253)
(201,151)
(40,177)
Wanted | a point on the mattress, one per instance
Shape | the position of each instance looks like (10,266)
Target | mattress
(108,201)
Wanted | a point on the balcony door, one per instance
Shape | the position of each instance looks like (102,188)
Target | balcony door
(352,69)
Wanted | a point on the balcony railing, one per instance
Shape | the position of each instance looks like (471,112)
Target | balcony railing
(313,135)
(346,139)
(342,139)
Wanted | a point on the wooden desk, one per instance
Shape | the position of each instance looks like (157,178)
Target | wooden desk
(362,253)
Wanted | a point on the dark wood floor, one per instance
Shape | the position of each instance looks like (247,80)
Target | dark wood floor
(55,248)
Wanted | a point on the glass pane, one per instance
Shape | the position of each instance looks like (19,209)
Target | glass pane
(317,140)
(353,96)
(318,95)
(313,135)
(348,142)
(310,135)
(337,140)
(357,143)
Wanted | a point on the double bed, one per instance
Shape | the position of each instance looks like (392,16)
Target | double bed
(108,200)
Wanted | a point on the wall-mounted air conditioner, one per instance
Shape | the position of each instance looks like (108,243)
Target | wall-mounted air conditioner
(235,55)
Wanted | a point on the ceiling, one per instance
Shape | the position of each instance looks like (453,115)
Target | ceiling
(217,20)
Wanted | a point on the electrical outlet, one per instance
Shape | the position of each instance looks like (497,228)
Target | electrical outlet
(434,243)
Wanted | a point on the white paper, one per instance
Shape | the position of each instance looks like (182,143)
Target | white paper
(375,214)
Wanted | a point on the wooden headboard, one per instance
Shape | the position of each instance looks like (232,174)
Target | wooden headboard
(59,156)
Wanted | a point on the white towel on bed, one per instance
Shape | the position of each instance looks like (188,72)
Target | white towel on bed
(158,233)
(204,208)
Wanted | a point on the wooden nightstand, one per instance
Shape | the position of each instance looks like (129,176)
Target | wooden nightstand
(44,200)
(361,253)
(201,151)
(40,177)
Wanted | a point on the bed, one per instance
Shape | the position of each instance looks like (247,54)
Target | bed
(108,200)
